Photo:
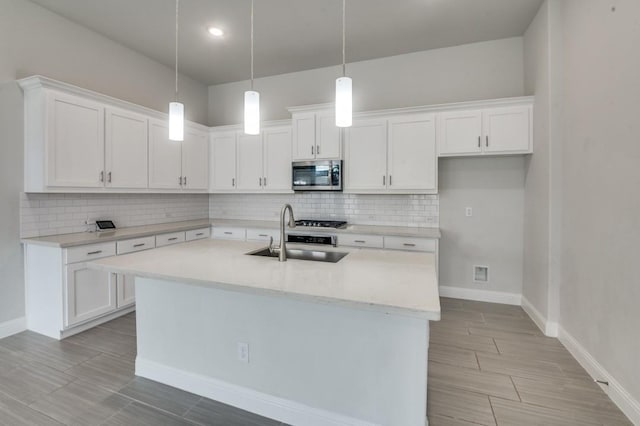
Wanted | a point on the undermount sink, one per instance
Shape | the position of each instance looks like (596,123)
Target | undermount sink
(299,254)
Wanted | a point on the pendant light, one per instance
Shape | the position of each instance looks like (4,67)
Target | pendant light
(252,98)
(344,106)
(176,109)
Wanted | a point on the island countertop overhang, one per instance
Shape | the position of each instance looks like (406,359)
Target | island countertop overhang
(394,282)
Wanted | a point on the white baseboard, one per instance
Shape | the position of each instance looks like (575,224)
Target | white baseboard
(280,409)
(547,327)
(619,395)
(480,295)
(12,327)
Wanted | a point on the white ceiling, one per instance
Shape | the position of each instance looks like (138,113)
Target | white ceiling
(293,35)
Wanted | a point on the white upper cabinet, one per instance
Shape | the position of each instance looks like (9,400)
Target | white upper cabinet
(126,149)
(74,142)
(276,148)
(315,136)
(391,155)
(249,162)
(491,131)
(195,159)
(365,165)
(223,161)
(412,158)
(165,157)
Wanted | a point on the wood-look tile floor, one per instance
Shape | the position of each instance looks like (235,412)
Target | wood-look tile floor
(488,365)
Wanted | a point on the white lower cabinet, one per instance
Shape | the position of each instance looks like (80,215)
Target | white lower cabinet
(126,291)
(229,233)
(90,293)
(265,235)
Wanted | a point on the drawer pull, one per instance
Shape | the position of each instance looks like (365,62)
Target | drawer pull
(173,239)
(94,252)
(228,233)
(139,245)
(262,235)
(409,245)
(359,241)
(199,234)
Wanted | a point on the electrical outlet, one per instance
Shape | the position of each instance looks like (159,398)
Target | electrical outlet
(243,352)
(468,212)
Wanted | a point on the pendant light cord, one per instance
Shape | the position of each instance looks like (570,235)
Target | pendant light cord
(344,37)
(251,44)
(177,12)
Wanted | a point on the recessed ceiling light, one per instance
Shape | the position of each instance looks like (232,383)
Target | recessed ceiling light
(216,32)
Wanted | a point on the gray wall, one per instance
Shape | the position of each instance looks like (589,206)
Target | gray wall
(494,187)
(600,291)
(36,41)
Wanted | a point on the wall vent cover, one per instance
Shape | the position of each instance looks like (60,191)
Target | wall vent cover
(480,274)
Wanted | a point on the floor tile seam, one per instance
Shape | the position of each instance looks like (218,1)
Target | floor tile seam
(111,330)
(515,388)
(446,387)
(459,347)
(134,399)
(464,420)
(574,406)
(470,369)
(169,413)
(115,413)
(29,406)
(572,411)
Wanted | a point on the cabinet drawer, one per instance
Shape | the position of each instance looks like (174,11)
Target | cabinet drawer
(358,240)
(136,244)
(229,233)
(168,239)
(263,235)
(198,234)
(90,252)
(409,243)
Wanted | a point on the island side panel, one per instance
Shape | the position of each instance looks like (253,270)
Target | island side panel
(309,363)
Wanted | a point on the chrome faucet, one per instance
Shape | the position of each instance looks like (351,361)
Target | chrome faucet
(282,248)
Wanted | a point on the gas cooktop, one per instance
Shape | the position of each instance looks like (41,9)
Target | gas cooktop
(337,224)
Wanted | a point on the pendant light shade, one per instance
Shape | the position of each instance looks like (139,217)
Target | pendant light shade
(176,121)
(252,112)
(252,98)
(176,109)
(344,105)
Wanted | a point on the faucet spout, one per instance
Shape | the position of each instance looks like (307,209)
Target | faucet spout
(282,250)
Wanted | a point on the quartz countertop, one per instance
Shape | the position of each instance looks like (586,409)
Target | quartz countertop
(394,282)
(83,238)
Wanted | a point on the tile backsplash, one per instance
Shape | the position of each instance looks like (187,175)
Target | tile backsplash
(50,214)
(387,210)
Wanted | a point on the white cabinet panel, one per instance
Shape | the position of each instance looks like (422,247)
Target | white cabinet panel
(198,234)
(90,293)
(136,244)
(460,132)
(75,142)
(328,140)
(249,167)
(277,159)
(411,244)
(126,291)
(360,240)
(165,157)
(126,149)
(507,130)
(366,155)
(263,235)
(195,159)
(168,239)
(223,161)
(89,252)
(226,233)
(304,136)
(412,158)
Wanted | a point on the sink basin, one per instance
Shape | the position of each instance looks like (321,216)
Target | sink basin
(299,254)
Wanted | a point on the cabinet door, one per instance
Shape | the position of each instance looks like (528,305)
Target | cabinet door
(412,158)
(249,167)
(126,293)
(75,142)
(366,155)
(507,130)
(126,149)
(165,157)
(304,136)
(223,161)
(195,160)
(90,293)
(277,159)
(328,136)
(460,133)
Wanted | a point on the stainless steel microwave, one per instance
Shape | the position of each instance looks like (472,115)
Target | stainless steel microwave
(320,175)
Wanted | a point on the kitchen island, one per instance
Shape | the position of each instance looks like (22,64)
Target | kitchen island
(303,342)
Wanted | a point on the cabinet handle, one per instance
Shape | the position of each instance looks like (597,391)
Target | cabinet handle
(180,180)
(487,139)
(262,235)
(109,177)
(260,181)
(390,177)
(173,239)
(199,234)
(94,252)
(384,180)
(228,233)
(233,181)
(317,149)
(264,180)
(359,241)
(139,245)
(479,138)
(102,176)
(312,150)
(184,181)
(409,245)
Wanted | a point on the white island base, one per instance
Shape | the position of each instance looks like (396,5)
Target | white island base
(310,363)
